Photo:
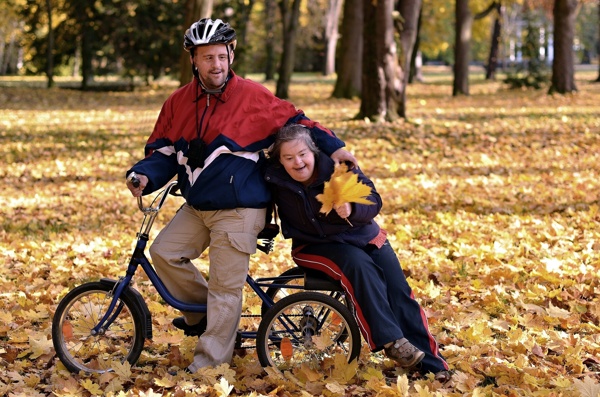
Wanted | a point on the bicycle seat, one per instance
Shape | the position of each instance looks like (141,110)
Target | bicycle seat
(269,232)
(266,236)
(316,280)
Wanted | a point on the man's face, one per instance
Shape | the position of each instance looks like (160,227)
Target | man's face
(213,64)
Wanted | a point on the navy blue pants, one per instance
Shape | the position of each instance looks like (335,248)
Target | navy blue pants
(385,306)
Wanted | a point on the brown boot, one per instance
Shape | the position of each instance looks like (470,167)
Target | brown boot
(404,353)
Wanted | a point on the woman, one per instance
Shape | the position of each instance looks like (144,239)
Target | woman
(349,246)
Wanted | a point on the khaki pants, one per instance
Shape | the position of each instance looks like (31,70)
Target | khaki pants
(231,236)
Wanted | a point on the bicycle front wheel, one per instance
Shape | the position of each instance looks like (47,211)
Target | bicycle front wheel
(307,327)
(79,312)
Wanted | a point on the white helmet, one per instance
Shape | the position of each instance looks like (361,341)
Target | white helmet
(207,32)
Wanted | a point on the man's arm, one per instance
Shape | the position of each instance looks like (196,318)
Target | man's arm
(341,155)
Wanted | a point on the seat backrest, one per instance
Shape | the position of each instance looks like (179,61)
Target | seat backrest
(316,280)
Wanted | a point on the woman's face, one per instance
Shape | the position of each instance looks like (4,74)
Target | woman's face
(297,159)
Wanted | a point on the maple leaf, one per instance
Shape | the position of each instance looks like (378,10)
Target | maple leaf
(587,387)
(92,387)
(166,381)
(123,370)
(344,371)
(40,345)
(223,388)
(402,385)
(343,187)
(150,393)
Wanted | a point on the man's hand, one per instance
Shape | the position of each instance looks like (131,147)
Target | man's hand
(137,191)
(342,155)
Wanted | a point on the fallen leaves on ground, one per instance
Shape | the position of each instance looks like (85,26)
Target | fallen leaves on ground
(491,202)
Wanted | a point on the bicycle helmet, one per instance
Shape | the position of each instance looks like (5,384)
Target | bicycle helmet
(206,32)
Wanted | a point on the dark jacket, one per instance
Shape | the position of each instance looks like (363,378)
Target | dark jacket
(236,126)
(298,209)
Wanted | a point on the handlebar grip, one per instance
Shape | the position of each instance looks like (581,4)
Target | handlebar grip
(133,178)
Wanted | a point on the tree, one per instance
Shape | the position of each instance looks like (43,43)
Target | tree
(598,43)
(563,64)
(239,19)
(348,83)
(194,10)
(462,48)
(381,74)
(492,62)
(407,24)
(330,36)
(290,13)
(269,40)
(50,49)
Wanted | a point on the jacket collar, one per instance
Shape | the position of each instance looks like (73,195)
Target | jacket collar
(230,86)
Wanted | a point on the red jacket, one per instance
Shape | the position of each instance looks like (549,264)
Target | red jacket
(236,127)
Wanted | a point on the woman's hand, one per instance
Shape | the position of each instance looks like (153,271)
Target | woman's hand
(344,210)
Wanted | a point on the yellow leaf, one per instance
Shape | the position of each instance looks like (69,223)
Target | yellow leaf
(343,371)
(39,346)
(123,370)
(92,387)
(166,382)
(309,374)
(343,187)
(402,385)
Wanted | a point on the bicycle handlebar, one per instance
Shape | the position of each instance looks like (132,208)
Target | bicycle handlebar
(160,197)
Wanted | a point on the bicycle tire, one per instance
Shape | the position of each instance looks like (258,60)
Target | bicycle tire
(284,340)
(79,312)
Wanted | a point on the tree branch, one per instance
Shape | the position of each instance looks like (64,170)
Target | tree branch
(493,6)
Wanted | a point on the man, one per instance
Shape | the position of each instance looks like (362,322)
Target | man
(211,134)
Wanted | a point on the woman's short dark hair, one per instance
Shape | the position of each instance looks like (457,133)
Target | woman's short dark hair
(288,133)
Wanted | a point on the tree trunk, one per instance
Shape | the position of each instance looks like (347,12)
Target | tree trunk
(563,64)
(492,64)
(194,11)
(290,14)
(416,61)
(331,35)
(381,81)
(598,44)
(269,40)
(408,29)
(348,83)
(50,49)
(87,55)
(464,21)
(240,24)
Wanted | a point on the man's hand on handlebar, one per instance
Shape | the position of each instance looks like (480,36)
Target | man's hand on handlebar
(136,183)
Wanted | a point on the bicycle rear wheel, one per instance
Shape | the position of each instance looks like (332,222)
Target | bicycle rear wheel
(76,316)
(294,277)
(307,327)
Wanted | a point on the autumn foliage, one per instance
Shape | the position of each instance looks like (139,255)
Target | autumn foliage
(491,202)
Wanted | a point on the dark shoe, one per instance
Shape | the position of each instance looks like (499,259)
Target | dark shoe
(190,330)
(404,353)
(443,376)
